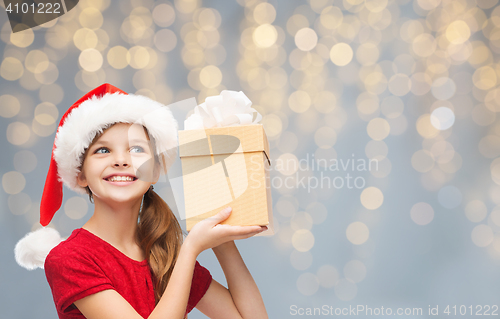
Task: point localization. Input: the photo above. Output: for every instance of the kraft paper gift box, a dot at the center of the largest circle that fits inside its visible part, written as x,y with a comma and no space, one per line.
227,166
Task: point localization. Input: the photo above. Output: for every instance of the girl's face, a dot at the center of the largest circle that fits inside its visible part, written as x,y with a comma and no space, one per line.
123,150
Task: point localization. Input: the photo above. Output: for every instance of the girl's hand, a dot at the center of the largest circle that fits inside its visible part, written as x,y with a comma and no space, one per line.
210,233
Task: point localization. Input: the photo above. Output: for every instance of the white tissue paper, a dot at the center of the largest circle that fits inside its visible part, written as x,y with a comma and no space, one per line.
227,109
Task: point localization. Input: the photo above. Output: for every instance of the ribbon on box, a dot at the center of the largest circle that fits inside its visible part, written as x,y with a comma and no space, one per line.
227,109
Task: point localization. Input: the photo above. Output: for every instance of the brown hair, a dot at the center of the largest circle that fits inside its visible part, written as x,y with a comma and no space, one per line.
158,232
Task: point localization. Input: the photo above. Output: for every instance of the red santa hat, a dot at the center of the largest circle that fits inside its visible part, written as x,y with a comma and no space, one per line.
90,115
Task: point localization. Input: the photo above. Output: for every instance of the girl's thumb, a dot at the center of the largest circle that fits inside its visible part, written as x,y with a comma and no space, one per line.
224,214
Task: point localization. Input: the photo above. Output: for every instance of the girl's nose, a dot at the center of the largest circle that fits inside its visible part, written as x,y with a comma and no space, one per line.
122,160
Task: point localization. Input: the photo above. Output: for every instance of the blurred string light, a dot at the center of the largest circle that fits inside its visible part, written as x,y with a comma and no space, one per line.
422,213
425,72
202,54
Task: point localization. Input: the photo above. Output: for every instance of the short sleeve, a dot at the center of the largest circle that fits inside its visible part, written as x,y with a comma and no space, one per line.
72,276
199,286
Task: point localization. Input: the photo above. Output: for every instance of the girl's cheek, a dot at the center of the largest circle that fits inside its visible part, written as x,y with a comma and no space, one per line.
140,164
145,170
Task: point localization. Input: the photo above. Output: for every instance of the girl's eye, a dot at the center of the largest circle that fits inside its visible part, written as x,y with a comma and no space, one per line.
140,149
99,149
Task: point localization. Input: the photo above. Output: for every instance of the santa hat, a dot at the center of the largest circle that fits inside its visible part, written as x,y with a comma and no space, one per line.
90,115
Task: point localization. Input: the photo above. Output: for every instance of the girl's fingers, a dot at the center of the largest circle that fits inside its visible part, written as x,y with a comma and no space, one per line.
245,236
242,232
220,216
238,230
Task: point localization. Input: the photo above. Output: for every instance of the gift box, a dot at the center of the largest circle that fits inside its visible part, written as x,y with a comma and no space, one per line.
227,166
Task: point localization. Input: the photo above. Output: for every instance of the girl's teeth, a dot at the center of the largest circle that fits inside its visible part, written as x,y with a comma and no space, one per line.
121,179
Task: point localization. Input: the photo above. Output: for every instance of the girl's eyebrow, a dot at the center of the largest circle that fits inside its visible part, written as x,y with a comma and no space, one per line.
137,141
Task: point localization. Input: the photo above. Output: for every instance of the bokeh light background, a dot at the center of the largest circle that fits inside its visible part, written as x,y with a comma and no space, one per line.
412,85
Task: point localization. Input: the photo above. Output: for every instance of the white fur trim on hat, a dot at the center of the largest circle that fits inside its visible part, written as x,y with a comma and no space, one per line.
97,113
33,248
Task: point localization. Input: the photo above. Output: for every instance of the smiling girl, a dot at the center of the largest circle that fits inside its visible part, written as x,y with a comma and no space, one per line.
129,260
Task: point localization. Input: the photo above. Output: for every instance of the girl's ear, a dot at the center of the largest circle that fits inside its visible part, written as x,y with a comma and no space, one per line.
81,180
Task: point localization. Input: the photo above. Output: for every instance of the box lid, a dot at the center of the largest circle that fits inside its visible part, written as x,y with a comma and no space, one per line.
224,140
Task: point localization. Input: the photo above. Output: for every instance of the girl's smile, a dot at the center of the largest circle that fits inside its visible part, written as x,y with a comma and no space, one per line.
120,178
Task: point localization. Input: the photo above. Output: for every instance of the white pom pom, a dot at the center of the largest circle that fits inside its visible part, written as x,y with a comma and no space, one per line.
33,248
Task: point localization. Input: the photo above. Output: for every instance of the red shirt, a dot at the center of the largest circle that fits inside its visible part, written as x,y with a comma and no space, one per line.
84,264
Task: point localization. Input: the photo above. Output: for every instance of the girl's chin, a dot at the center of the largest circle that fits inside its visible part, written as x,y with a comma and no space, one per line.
114,201
120,196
